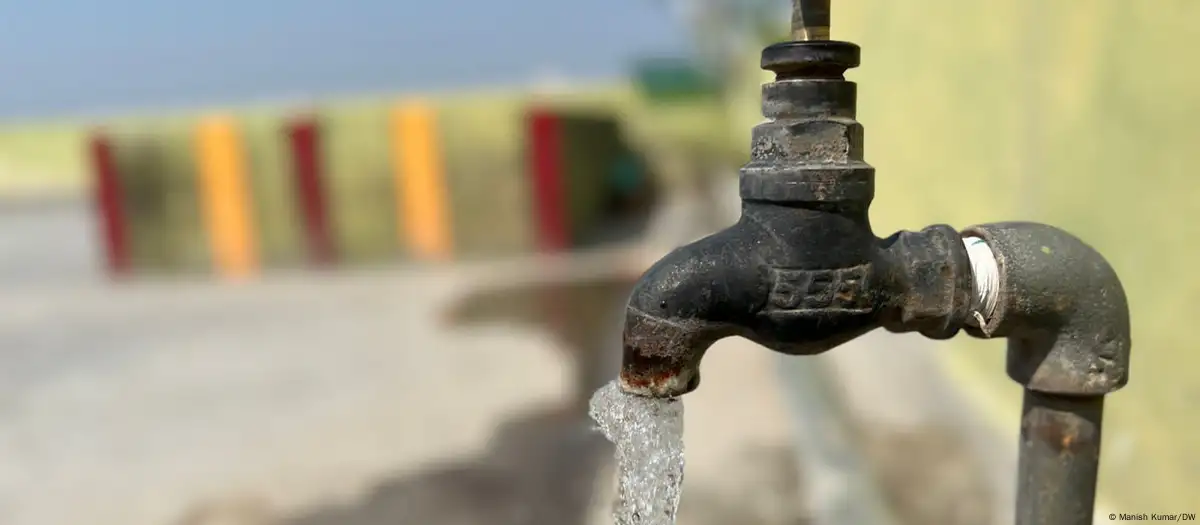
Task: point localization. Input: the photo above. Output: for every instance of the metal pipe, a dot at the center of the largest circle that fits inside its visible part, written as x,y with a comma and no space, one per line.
1059,459
1065,315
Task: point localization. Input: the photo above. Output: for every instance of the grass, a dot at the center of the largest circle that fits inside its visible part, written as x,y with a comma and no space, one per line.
41,156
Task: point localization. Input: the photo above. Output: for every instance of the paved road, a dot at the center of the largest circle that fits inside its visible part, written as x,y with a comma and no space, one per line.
349,399
46,242
305,400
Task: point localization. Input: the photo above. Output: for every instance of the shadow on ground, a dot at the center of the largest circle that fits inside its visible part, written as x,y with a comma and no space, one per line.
540,468
548,466
546,469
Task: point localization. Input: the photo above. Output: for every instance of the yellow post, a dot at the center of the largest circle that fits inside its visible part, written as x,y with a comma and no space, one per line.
225,197
420,182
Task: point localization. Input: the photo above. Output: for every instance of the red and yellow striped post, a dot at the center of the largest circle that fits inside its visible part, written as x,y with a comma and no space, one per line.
109,204
420,182
545,166
304,136
225,198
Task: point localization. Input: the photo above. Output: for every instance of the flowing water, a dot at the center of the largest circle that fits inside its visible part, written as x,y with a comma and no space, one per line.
648,434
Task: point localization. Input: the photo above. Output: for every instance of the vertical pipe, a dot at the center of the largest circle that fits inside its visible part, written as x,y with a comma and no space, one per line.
546,169
109,204
225,198
1059,459
304,136
421,198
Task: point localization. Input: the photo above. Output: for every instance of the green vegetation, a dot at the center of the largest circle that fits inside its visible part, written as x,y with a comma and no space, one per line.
41,156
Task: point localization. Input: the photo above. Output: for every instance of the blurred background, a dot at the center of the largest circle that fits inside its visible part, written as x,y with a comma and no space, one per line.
364,262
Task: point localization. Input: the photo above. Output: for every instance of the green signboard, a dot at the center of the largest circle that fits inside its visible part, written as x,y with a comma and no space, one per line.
666,79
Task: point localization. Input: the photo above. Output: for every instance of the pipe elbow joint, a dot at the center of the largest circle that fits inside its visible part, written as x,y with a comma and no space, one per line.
1061,307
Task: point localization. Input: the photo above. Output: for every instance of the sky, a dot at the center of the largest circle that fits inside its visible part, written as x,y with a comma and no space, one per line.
69,57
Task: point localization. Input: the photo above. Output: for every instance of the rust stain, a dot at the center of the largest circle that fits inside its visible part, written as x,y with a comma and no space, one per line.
647,380
1062,303
1063,433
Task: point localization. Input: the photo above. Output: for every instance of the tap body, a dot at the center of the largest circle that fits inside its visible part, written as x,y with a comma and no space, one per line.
802,272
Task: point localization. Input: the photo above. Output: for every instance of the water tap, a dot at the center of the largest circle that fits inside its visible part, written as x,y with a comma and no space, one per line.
801,272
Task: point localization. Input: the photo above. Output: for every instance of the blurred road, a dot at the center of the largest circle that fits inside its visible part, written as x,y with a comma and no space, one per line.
46,241
341,398
443,396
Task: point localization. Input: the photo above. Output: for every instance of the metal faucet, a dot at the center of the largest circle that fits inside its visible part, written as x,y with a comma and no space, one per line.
802,272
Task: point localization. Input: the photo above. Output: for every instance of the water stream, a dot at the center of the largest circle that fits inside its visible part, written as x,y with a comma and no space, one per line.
648,434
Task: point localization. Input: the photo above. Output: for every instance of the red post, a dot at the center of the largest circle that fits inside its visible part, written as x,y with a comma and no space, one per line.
109,204
305,139
546,170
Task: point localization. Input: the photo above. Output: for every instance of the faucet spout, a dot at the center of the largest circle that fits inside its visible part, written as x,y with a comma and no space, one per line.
681,306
